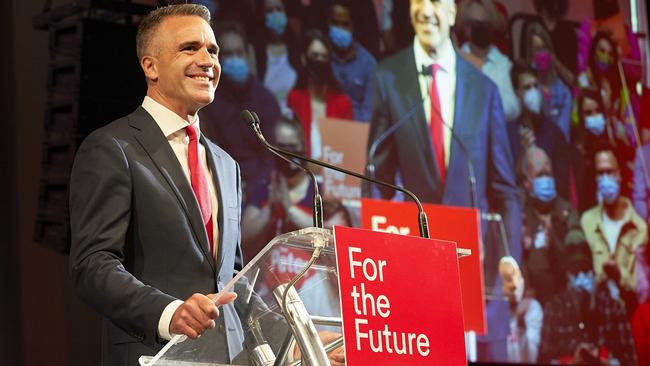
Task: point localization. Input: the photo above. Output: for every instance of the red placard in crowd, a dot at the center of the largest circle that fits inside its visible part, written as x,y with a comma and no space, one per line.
400,299
458,224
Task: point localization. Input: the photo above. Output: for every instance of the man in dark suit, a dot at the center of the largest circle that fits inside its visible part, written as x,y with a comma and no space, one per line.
463,106
154,206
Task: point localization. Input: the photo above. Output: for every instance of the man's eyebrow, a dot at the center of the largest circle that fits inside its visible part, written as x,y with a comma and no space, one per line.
193,44
196,44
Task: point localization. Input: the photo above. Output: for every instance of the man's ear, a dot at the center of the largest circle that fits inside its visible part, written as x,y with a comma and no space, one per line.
451,13
150,67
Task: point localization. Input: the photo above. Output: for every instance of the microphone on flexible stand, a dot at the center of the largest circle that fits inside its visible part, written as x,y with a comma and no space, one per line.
254,124
317,216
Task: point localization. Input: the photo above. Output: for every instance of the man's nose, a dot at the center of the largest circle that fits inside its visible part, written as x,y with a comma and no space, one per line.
205,59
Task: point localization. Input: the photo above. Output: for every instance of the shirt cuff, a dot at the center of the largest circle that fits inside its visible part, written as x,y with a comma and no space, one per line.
166,319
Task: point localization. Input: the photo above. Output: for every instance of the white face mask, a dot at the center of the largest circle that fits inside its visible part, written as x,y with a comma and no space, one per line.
533,100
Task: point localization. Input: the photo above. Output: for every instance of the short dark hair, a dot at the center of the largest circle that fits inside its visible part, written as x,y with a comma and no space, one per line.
519,67
576,252
602,146
150,23
588,93
556,7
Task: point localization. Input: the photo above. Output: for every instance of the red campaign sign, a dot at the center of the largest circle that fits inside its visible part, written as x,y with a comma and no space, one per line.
400,299
457,224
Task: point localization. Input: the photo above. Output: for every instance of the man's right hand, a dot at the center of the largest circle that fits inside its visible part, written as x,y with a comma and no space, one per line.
197,314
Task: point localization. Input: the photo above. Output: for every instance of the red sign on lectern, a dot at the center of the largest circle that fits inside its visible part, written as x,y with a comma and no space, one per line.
458,224
400,299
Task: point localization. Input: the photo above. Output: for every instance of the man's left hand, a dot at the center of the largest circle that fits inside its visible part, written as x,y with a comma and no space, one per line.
337,356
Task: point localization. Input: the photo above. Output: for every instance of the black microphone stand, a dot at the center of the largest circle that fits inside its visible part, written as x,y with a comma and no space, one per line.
422,217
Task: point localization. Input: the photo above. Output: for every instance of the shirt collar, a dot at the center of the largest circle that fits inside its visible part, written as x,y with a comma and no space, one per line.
446,57
168,121
489,57
627,216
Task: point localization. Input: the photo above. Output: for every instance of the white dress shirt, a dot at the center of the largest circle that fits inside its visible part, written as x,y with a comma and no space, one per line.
445,83
497,67
173,127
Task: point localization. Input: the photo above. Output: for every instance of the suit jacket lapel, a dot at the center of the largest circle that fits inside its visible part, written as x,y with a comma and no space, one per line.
215,162
156,145
463,119
411,95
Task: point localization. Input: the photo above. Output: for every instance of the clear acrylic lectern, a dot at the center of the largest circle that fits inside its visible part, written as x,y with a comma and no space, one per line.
257,331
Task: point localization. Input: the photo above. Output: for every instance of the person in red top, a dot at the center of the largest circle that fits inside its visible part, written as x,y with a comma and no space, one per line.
317,93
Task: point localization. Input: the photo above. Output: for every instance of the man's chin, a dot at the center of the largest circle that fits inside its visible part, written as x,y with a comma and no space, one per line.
429,42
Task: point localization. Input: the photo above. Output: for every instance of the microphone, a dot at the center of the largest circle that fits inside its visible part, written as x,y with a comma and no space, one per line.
254,123
251,118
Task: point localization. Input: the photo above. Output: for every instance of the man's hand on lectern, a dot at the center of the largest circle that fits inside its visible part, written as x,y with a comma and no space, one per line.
197,314
336,357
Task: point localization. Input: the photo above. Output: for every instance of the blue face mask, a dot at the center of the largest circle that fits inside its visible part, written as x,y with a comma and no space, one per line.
608,188
533,100
595,124
276,21
544,188
235,68
583,281
340,37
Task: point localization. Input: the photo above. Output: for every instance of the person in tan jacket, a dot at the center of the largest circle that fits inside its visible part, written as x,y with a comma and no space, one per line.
614,231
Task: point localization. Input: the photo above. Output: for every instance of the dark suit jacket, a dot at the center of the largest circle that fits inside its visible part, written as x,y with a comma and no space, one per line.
138,241
478,122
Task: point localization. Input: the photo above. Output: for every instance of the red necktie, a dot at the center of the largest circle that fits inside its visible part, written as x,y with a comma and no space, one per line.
436,126
199,182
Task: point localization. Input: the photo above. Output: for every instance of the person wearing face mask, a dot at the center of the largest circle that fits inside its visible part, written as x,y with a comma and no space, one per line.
614,231
478,19
353,65
548,219
240,90
620,107
282,203
317,93
540,55
584,325
593,130
526,315
562,34
532,128
608,18
276,50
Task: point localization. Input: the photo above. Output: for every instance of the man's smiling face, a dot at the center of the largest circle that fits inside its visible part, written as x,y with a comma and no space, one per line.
432,20
183,67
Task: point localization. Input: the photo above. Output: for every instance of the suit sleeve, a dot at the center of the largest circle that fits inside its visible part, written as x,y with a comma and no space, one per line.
502,184
100,215
385,155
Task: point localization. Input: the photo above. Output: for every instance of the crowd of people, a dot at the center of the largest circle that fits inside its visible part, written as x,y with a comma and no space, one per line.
551,115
